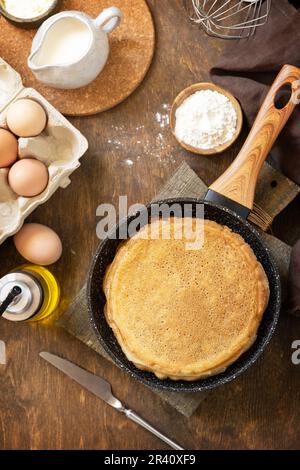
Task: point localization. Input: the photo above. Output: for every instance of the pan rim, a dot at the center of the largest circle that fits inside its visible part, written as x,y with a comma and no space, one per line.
200,384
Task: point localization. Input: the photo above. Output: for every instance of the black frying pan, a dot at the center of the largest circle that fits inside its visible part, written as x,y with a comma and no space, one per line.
228,202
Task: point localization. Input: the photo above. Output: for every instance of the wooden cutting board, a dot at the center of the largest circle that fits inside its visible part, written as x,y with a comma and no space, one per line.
132,47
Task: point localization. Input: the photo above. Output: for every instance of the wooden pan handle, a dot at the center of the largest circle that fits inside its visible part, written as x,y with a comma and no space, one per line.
239,180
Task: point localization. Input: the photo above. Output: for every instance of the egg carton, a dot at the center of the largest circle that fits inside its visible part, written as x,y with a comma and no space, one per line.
60,147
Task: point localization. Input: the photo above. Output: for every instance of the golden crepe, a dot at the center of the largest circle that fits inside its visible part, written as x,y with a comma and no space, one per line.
185,314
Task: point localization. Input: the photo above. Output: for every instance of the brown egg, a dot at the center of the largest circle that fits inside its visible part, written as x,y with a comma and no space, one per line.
8,148
38,244
26,118
28,177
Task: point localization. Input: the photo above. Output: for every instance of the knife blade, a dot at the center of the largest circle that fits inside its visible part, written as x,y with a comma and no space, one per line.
102,389
94,384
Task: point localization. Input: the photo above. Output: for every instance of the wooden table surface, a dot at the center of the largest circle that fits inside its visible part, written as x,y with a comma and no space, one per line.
133,153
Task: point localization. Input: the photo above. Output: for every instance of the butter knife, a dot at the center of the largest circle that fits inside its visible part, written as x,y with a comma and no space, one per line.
102,389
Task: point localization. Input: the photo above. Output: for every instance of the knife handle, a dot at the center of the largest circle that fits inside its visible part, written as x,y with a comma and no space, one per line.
138,420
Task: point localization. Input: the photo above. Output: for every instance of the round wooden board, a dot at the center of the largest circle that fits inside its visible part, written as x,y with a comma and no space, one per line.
132,48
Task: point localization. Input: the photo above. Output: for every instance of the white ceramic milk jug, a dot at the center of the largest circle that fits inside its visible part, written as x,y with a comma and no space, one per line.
70,49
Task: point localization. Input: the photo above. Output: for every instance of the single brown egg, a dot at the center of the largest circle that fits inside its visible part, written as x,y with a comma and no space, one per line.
26,118
38,244
28,177
8,148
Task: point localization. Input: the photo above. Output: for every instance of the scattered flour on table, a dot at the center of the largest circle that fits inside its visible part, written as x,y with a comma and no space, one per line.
205,120
143,148
162,119
128,162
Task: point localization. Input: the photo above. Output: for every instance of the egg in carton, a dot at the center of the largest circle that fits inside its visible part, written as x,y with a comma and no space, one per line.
60,147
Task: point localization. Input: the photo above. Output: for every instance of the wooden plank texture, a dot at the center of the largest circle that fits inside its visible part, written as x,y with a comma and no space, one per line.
133,152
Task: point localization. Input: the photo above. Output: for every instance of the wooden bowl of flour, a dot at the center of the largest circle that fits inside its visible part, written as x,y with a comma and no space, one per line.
187,92
30,22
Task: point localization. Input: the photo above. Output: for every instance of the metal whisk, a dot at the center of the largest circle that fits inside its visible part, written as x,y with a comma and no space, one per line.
229,19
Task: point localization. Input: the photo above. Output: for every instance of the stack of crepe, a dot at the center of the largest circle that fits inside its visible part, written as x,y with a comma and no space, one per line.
185,313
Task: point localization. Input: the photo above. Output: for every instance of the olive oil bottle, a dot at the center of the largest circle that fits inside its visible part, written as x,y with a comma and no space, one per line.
29,293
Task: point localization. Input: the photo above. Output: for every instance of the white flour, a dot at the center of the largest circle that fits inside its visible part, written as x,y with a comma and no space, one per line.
27,9
205,120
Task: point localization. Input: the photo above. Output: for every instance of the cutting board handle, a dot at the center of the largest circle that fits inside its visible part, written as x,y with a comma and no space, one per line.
239,180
